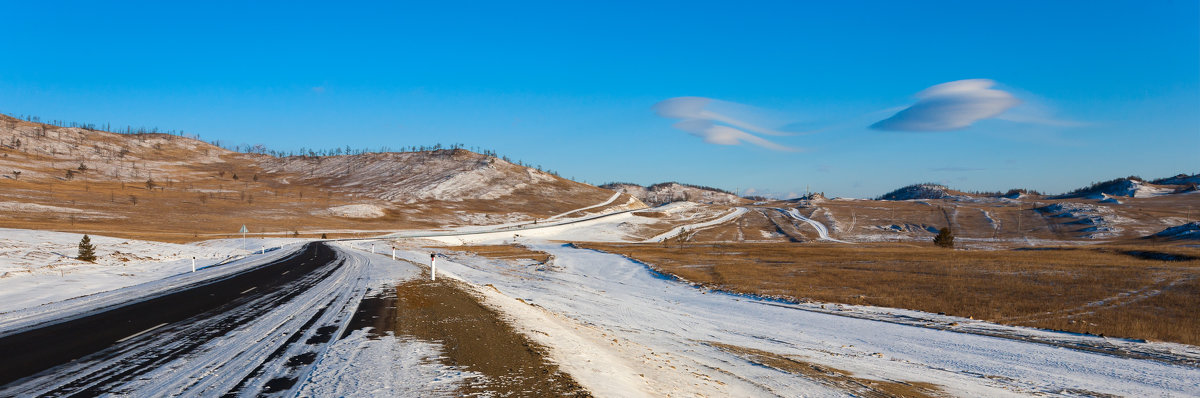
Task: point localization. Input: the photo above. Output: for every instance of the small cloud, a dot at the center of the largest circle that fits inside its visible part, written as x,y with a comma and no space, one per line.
319,89
951,106
824,168
957,169
699,119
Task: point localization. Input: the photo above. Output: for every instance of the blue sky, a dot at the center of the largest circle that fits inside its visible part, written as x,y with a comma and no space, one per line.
1067,92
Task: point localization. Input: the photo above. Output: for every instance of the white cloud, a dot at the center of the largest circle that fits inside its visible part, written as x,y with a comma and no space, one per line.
951,106
698,118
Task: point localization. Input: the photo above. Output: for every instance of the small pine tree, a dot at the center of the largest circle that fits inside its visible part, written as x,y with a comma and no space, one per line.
324,237
944,238
87,251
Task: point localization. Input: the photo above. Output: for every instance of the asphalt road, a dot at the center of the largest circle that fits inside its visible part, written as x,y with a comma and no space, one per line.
32,351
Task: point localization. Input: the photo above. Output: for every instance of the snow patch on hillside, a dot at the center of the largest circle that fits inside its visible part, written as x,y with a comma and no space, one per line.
672,192
1095,222
919,191
355,211
57,212
1189,231
410,177
41,152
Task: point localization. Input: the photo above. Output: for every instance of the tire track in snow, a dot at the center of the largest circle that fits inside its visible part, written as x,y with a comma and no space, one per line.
822,232
736,212
610,200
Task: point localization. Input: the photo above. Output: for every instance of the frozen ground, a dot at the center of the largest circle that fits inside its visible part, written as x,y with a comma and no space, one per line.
264,338
622,330
618,328
38,267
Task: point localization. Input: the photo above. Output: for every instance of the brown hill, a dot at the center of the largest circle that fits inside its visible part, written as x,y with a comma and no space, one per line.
668,192
169,187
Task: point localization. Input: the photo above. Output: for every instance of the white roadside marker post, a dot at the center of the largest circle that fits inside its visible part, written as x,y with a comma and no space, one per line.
393,253
372,248
243,231
193,263
433,266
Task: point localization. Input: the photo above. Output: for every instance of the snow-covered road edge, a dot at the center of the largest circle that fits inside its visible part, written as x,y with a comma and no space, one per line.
23,319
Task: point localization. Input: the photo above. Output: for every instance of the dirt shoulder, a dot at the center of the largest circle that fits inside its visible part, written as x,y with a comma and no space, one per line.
472,335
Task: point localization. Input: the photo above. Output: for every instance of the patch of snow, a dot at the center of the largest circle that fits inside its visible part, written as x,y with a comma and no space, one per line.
386,366
732,214
674,192
611,199
822,232
412,177
1189,231
1096,221
355,211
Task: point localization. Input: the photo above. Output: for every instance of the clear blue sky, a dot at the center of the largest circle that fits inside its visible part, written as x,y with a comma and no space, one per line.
1105,89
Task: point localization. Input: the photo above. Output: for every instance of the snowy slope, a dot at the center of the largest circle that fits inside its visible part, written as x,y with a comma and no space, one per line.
672,191
445,175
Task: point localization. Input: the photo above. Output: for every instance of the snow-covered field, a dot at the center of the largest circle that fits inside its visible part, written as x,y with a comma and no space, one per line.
617,327
622,330
39,267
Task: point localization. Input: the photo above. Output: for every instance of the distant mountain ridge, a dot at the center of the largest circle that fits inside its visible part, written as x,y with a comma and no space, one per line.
668,192
1130,187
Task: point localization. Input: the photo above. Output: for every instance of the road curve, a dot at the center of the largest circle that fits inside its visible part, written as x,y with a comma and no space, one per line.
29,352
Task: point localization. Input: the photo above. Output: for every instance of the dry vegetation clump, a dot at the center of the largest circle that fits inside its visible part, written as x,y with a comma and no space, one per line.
498,252
650,214
1097,290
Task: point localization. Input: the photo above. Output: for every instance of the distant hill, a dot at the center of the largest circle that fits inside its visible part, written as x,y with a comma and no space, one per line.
1134,187
668,192
1189,231
922,191
81,178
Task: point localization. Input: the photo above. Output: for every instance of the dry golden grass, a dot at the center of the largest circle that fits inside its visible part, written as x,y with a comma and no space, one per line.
202,192
753,226
505,252
186,210
1096,290
1012,221
831,376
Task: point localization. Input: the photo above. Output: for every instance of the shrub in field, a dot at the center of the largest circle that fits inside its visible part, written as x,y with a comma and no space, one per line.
944,238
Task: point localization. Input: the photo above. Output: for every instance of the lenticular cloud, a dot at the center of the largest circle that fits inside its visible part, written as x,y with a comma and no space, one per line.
698,119
951,106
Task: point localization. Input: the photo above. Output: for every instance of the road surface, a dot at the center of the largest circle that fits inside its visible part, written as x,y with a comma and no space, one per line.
252,333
